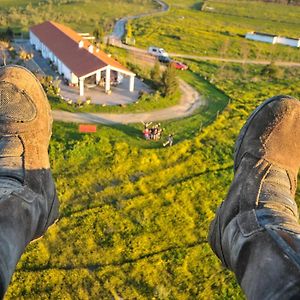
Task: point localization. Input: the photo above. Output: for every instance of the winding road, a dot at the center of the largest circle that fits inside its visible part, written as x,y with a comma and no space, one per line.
119,29
189,102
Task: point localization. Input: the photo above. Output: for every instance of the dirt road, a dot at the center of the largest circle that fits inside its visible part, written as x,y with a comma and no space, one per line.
139,51
119,28
189,102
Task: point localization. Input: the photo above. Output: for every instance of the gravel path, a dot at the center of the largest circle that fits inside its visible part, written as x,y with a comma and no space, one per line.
189,102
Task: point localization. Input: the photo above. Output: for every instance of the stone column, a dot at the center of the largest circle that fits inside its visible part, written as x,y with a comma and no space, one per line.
98,77
107,79
81,86
131,83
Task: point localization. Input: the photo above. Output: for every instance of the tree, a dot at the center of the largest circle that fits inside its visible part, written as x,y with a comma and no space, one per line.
129,39
272,71
9,33
128,30
98,34
170,82
155,72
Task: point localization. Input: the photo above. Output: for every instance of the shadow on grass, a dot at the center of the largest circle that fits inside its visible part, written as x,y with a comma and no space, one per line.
63,132
133,134
197,6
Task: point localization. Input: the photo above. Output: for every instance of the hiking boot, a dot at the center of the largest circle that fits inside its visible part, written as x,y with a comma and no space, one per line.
256,232
28,200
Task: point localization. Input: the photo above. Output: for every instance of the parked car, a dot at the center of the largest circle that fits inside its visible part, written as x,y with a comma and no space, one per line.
164,59
157,51
179,65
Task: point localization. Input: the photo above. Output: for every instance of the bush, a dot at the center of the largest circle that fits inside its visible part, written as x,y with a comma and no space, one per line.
155,73
170,82
272,71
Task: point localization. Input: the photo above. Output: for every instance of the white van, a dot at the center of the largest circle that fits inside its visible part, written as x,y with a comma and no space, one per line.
157,51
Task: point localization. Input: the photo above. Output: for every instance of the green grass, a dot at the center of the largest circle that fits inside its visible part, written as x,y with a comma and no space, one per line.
135,215
83,16
256,10
146,103
16,3
188,30
214,101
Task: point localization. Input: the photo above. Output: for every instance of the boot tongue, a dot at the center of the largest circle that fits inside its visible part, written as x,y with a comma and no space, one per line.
11,157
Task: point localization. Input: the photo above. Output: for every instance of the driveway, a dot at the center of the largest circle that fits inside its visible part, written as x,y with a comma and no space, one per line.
189,102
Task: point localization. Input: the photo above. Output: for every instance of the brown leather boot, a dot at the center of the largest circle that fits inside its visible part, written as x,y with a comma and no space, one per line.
28,201
256,232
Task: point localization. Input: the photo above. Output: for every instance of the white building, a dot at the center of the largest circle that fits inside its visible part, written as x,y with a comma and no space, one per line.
288,41
273,39
262,37
75,58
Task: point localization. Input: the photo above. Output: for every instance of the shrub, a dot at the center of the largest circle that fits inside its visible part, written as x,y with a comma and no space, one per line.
155,73
170,82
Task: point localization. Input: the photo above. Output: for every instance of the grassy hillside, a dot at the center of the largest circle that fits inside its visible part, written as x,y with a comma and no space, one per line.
219,29
82,15
134,216
275,12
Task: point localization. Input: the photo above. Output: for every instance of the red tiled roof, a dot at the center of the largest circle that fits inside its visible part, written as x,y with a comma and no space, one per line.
63,42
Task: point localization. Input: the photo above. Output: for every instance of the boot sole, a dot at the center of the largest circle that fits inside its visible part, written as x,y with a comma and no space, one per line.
244,129
47,106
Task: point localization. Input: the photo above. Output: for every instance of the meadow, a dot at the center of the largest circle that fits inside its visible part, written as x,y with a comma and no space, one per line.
81,15
219,29
135,215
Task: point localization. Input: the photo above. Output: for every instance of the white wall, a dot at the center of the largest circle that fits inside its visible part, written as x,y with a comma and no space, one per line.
261,38
47,53
74,78
287,41
273,40
34,41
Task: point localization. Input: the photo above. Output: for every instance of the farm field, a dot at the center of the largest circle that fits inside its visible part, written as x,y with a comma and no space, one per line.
134,215
83,16
219,29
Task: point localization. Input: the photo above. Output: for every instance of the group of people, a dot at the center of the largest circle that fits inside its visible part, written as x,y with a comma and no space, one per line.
155,133
152,133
